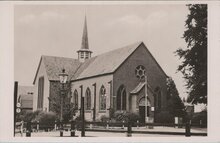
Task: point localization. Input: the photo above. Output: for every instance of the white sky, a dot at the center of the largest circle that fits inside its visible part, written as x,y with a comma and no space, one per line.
56,30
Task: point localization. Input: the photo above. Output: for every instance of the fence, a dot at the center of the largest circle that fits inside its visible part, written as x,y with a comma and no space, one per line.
125,127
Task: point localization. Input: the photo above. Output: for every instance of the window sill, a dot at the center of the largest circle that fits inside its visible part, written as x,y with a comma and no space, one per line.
121,111
87,111
102,111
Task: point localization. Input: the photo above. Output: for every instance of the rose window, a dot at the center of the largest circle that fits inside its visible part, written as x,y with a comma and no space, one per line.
140,72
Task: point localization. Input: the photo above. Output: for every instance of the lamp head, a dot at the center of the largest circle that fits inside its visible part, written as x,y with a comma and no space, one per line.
63,76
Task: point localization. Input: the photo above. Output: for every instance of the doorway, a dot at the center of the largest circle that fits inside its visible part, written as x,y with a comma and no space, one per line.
142,114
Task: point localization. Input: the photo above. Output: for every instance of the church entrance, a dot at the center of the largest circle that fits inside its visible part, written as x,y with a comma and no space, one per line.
142,114
142,109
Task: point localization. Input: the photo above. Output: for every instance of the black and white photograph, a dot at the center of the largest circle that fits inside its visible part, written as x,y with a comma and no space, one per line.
111,69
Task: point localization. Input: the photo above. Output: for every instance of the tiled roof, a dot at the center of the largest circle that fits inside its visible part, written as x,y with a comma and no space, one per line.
99,65
106,63
25,89
26,101
54,66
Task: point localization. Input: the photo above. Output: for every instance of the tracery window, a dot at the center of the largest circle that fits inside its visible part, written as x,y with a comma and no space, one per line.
121,98
40,93
140,72
88,99
102,98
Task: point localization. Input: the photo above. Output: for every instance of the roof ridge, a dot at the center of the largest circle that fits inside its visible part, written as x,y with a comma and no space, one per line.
58,57
132,47
125,46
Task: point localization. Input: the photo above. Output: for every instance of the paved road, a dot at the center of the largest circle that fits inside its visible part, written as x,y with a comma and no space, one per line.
117,134
93,134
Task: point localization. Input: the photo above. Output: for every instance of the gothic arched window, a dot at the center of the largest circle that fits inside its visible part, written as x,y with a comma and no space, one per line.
75,99
102,98
88,99
40,93
121,98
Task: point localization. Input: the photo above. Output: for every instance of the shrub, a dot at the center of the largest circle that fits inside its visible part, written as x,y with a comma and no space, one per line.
119,116
133,117
164,117
104,118
27,116
200,116
111,113
46,119
126,116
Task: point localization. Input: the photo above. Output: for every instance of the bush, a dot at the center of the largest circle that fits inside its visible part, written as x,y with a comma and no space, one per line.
200,116
46,118
133,117
126,116
164,117
104,118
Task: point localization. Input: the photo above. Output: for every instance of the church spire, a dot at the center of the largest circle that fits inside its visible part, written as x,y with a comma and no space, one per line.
85,42
84,53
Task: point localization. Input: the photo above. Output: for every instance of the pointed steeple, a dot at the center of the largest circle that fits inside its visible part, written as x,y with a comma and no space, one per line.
85,42
84,53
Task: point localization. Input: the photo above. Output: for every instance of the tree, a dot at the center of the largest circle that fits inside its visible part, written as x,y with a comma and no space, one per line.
55,101
194,56
175,105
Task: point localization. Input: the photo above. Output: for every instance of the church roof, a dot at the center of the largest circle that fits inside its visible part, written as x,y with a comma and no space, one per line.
103,64
107,62
54,66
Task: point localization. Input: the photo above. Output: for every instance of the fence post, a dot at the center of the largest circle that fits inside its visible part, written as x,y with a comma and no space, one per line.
137,123
22,128
28,130
55,126
129,131
72,129
37,126
123,126
188,134
200,122
107,126
61,129
90,126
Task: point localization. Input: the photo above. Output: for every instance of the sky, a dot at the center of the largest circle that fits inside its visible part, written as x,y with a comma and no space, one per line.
56,30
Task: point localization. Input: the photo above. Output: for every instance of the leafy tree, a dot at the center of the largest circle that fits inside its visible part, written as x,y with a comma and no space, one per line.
175,104
55,101
194,56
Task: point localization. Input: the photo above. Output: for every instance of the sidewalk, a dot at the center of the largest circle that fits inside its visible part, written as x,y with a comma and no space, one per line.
118,132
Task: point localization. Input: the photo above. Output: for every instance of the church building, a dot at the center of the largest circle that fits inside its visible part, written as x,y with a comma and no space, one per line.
126,79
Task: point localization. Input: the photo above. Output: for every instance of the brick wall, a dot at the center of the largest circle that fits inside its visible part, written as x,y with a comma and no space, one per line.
126,74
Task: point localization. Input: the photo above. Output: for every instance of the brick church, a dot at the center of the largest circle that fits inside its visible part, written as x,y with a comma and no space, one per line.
125,79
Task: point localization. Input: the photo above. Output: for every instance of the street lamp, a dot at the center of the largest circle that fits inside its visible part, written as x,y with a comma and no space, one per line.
82,112
63,79
146,101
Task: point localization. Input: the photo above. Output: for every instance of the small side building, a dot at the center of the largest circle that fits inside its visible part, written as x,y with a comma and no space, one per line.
25,97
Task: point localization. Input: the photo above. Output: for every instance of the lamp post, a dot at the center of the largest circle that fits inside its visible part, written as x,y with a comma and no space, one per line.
63,79
146,102
82,112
